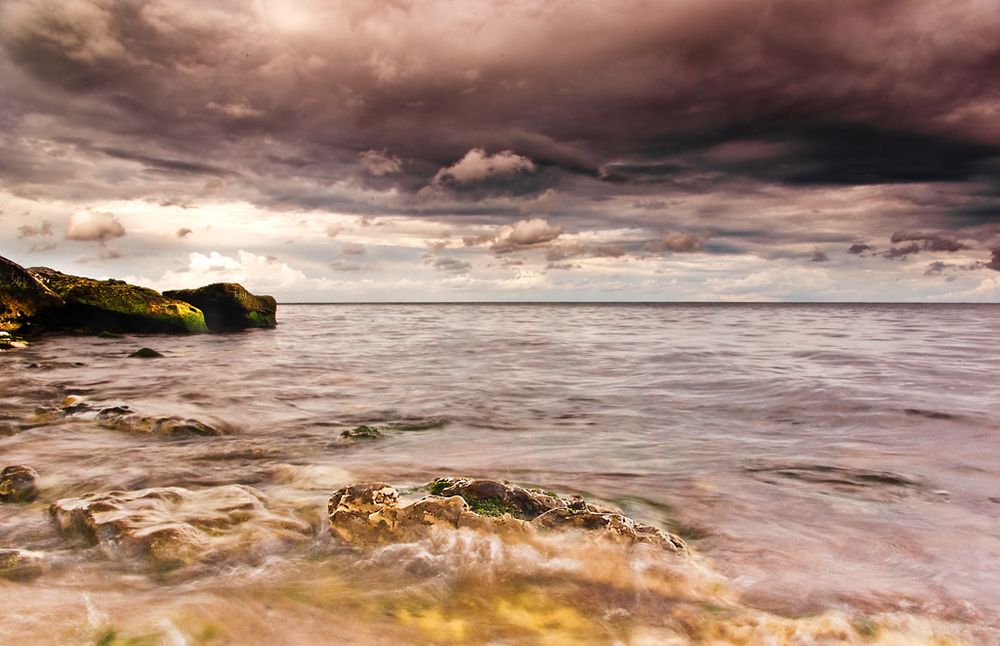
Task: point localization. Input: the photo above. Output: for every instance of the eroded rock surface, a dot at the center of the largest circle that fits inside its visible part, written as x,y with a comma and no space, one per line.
372,513
173,526
18,483
229,306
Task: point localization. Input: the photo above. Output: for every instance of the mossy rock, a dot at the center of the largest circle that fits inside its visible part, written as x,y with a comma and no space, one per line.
116,306
24,300
229,306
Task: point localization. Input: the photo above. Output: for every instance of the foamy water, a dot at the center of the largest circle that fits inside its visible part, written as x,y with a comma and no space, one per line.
836,462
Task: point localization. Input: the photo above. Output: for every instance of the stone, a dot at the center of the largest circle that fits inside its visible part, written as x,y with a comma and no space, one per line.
145,353
174,527
370,513
24,301
229,306
21,564
18,483
123,418
115,306
363,432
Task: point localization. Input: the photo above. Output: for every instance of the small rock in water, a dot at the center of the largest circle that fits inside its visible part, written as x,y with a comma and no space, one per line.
363,432
145,353
109,335
18,484
20,564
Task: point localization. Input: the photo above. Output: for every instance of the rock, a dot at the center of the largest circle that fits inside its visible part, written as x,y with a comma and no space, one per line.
145,353
173,527
613,525
18,484
363,432
116,306
24,300
492,498
21,564
228,306
371,514
104,334
123,418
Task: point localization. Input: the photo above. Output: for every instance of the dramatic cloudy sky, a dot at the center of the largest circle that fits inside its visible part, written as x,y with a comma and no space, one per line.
520,150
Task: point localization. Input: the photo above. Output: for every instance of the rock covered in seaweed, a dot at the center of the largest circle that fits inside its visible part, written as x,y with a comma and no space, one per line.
18,483
24,300
371,513
229,306
173,526
113,305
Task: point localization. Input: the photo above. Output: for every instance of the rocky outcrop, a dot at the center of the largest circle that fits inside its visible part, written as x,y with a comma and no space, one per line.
18,483
24,300
113,305
371,513
173,527
228,306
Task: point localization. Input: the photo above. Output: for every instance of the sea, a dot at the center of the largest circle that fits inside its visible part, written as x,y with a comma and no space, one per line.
833,468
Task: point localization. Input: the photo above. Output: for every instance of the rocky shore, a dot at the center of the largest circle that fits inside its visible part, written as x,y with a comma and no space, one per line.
41,300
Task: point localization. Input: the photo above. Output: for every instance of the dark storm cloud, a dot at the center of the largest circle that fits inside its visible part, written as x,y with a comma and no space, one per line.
929,241
859,248
994,262
472,110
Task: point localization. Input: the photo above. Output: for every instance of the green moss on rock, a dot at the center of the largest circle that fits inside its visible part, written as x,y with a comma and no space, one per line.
229,306
113,305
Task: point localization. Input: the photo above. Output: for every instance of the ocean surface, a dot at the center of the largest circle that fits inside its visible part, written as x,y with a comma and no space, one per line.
828,464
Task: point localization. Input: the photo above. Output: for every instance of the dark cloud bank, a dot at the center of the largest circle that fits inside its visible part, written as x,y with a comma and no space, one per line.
630,113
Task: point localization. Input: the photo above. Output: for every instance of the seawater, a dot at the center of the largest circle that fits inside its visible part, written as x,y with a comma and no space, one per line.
829,464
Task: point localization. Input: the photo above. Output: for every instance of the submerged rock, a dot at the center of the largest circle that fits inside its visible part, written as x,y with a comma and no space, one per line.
18,483
371,513
123,418
229,306
21,564
363,432
24,300
174,527
116,306
145,353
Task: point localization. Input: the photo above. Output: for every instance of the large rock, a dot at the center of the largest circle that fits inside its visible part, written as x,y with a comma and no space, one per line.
172,526
228,306
23,299
371,513
114,305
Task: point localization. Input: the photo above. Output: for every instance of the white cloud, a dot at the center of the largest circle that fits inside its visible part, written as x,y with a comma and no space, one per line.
477,165
259,274
526,233
94,225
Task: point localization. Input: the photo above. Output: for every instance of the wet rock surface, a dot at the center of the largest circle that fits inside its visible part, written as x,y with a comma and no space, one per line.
145,353
229,306
18,483
121,417
371,513
173,526
115,306
21,564
23,298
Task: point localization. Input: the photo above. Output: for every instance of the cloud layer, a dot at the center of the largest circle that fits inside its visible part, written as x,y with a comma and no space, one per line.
626,144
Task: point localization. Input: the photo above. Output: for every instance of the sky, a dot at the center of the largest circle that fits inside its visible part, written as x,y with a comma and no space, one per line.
527,150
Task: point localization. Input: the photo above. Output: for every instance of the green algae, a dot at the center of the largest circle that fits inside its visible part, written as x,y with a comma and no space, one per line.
362,432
